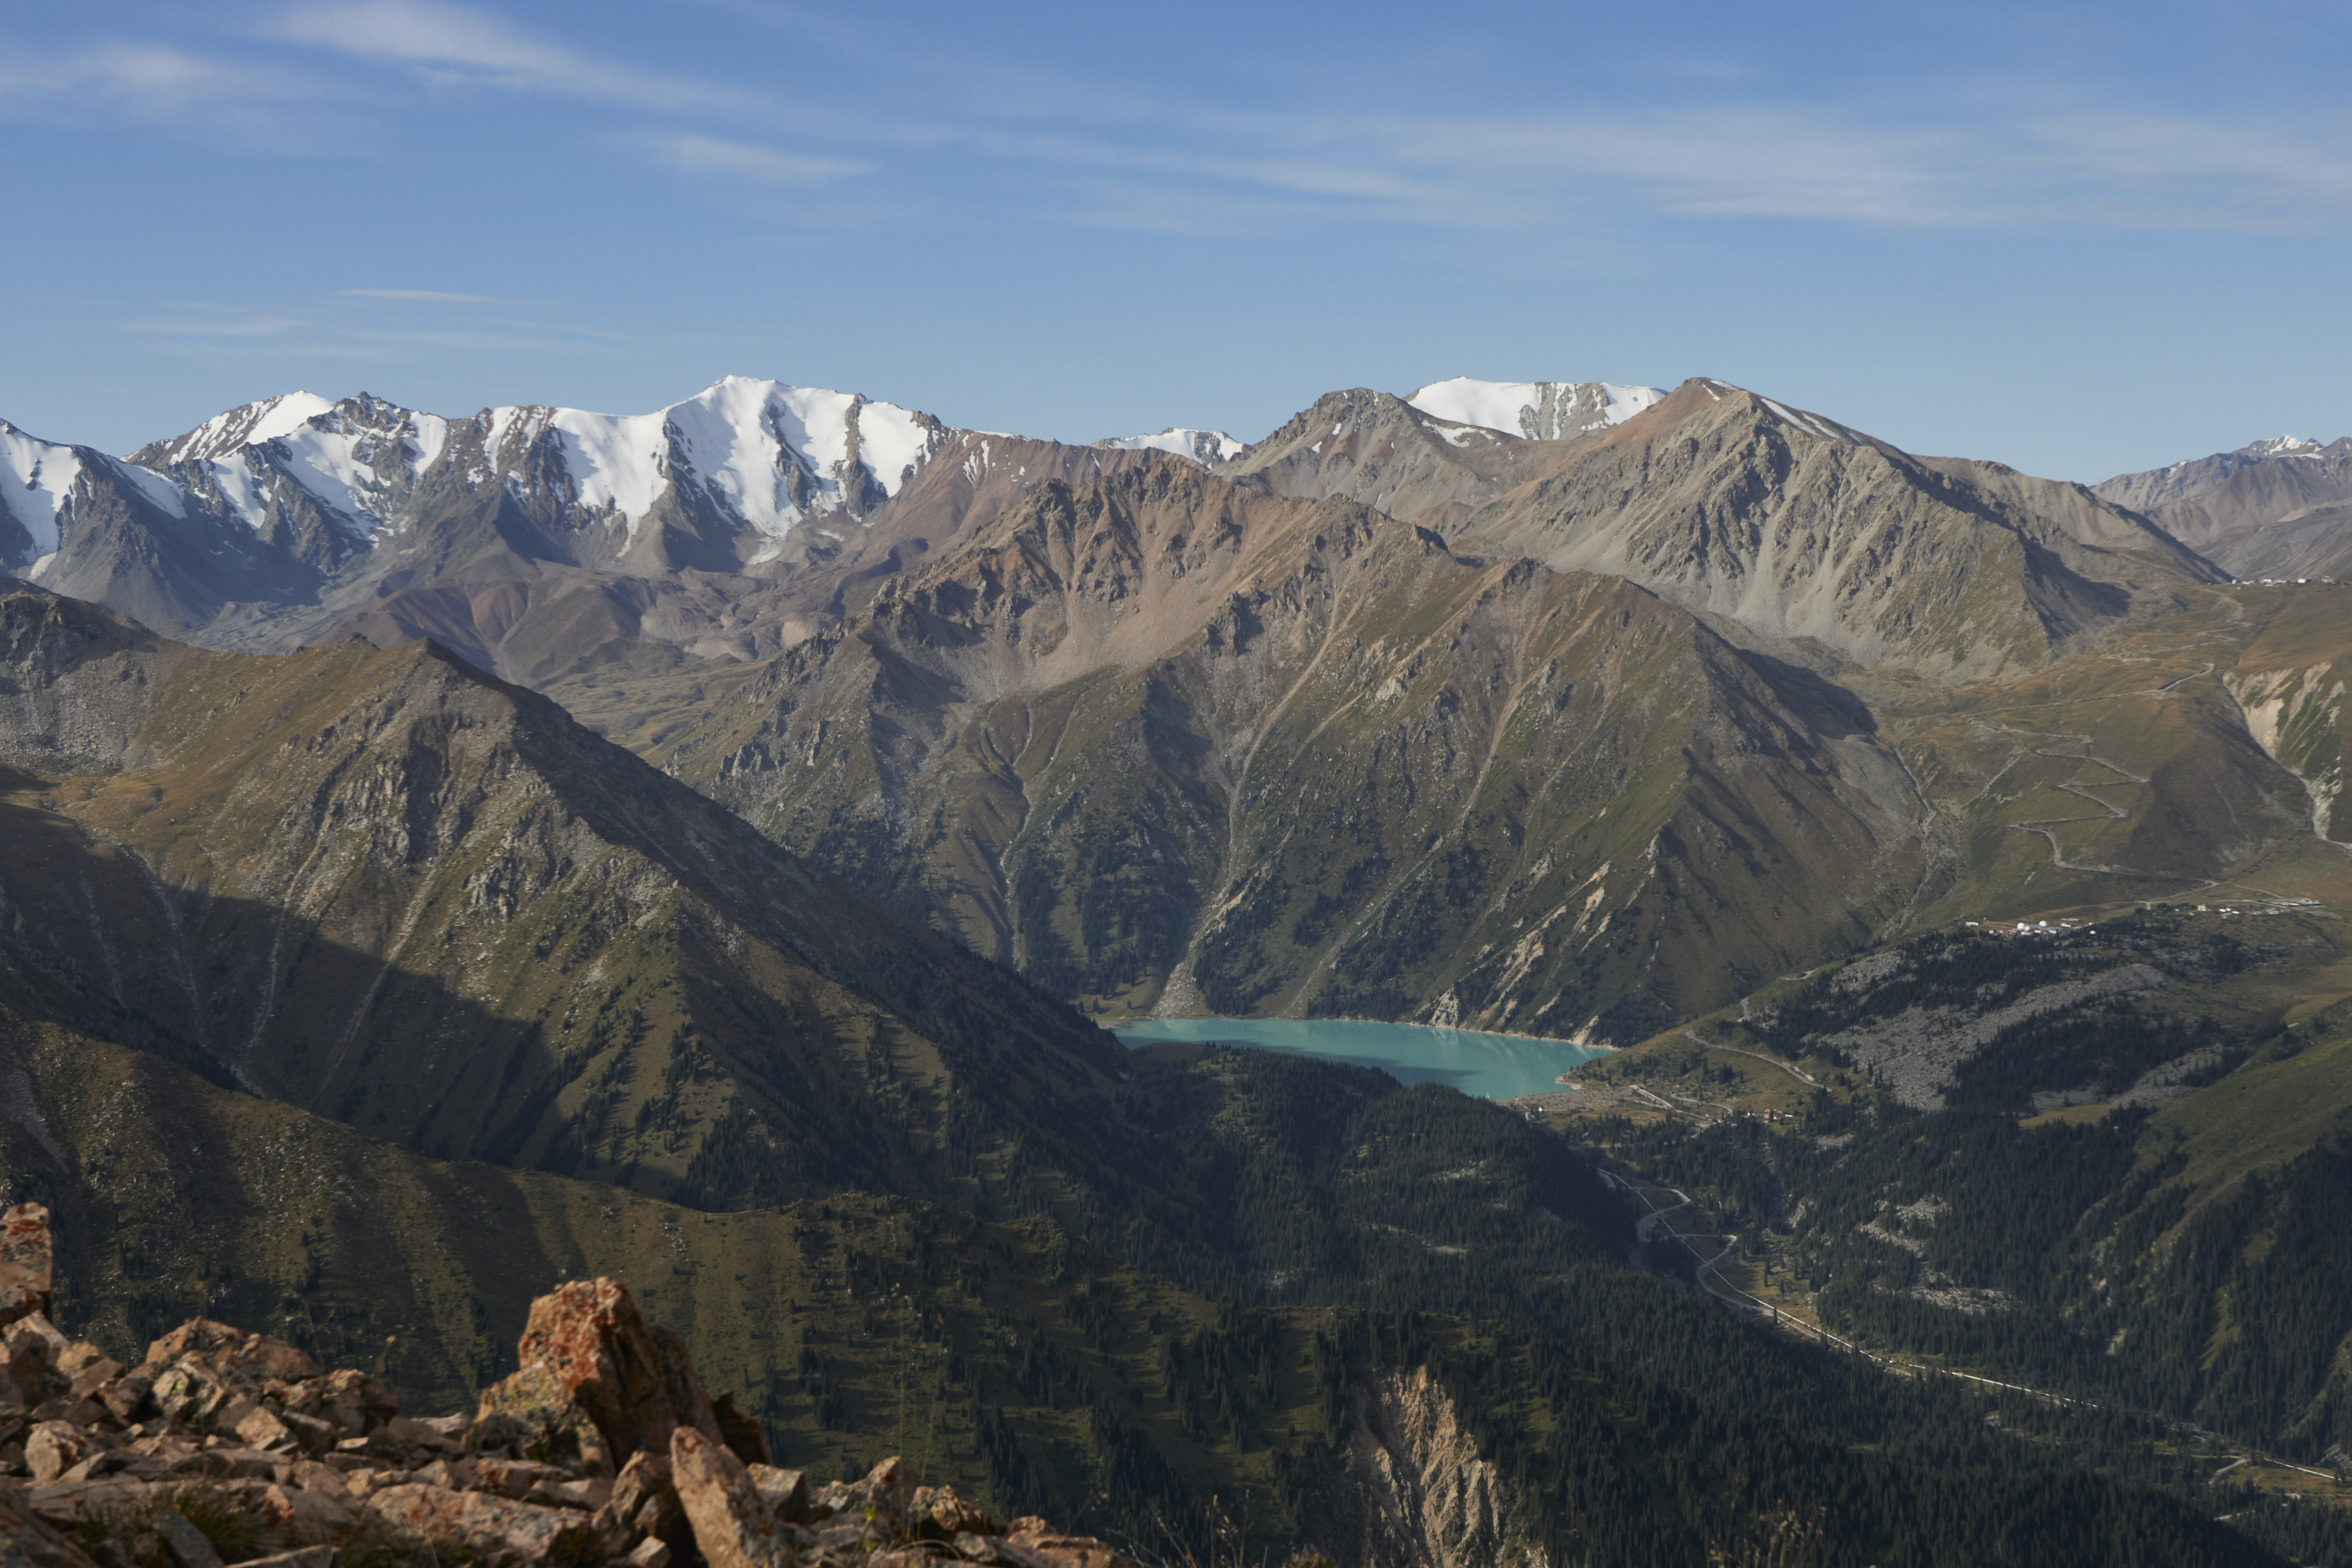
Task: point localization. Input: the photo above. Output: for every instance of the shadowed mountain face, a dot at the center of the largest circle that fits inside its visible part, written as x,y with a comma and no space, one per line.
2279,507
1161,738
392,890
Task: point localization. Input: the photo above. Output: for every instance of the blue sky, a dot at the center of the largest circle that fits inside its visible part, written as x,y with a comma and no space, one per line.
2075,238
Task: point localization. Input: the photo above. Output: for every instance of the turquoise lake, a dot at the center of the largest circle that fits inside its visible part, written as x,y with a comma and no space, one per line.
1493,1066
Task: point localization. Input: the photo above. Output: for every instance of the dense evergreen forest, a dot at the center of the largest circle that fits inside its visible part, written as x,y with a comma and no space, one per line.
1352,1226
2194,1299
1038,1373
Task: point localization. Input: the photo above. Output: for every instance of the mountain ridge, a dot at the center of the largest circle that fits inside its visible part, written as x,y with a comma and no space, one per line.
2276,508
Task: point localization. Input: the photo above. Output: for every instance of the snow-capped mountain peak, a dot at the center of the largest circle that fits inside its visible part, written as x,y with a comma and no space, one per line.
299,464
767,453
1535,410
37,483
1207,448
248,425
40,482
762,454
2279,446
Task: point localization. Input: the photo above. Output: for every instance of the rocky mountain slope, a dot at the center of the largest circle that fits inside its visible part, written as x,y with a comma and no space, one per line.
115,533
1169,741
1383,452
1843,571
2275,508
1161,738
1806,537
1787,530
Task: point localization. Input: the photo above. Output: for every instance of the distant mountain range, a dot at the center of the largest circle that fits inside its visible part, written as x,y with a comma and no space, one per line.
2276,507
1330,721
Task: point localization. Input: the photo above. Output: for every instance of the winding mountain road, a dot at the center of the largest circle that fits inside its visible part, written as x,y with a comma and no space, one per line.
2043,825
1800,1076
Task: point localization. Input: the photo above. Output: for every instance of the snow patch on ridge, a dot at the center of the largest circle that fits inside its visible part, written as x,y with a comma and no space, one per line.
1203,446
40,478
161,493
1811,424
249,424
1535,410
39,481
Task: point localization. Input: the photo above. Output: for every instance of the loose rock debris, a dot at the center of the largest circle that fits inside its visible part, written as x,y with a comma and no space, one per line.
230,1447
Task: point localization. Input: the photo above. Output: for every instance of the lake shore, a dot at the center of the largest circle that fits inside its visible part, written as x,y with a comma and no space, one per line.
1350,1018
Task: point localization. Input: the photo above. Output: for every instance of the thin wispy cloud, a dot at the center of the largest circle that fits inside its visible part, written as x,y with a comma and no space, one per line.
421,296
1810,163
1084,152
1200,168
460,46
113,80
222,324
304,332
2151,168
747,163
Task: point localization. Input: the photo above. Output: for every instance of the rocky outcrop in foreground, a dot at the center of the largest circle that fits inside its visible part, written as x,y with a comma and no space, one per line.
224,1447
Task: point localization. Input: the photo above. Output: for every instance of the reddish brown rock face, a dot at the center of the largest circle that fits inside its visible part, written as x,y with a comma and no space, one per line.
946,1515
492,1526
233,1348
634,1382
734,1525
1041,1540
25,1262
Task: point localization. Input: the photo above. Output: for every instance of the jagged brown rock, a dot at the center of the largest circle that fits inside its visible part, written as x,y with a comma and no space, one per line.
1047,1544
634,1382
223,1445
733,1526
25,1262
492,1526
